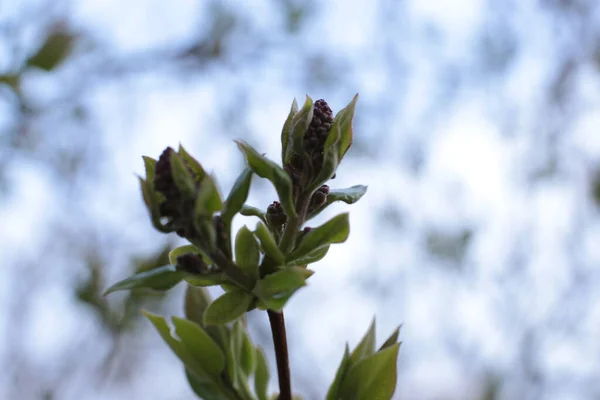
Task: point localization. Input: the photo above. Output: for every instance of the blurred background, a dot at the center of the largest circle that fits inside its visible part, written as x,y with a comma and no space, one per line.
476,131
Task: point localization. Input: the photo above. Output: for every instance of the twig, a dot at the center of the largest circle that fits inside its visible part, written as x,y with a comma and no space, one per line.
281,354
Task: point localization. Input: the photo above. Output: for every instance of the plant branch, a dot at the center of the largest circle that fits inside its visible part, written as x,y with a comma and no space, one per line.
232,270
293,224
281,354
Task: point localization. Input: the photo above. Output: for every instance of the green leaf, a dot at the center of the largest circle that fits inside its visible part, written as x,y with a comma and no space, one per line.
247,252
247,354
268,243
373,377
186,249
151,200
205,280
227,308
250,211
348,195
333,137
393,339
206,389
161,278
311,257
285,133
203,383
266,168
182,176
336,230
149,166
193,164
274,290
330,164
237,196
232,359
261,375
346,117
200,345
334,389
235,368
366,346
197,300
299,126
55,50
177,346
209,200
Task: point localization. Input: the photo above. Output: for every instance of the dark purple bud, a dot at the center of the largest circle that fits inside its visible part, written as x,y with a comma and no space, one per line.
192,263
163,179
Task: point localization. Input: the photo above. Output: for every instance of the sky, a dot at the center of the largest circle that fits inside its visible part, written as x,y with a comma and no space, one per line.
473,175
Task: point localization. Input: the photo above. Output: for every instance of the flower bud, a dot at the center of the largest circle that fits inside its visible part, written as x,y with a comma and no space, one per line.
222,237
192,263
318,199
275,216
318,130
163,178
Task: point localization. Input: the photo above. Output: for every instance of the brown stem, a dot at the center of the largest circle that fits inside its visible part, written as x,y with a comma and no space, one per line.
281,354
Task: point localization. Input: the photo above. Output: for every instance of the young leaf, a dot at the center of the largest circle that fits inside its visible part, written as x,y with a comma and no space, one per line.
261,375
151,200
209,200
345,117
193,164
227,308
178,347
55,50
311,257
266,168
235,369
366,346
203,383
336,230
182,176
232,358
197,300
268,244
330,164
334,389
237,196
299,126
393,339
206,389
161,278
205,280
275,289
373,377
247,354
348,195
149,166
188,248
250,211
200,346
334,135
247,253
285,133
149,197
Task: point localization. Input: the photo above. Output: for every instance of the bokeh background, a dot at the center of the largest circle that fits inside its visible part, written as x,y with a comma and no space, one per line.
476,131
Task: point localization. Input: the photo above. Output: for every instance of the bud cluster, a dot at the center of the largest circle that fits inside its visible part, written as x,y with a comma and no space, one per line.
176,207
275,216
303,170
318,199
192,263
